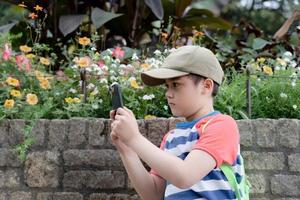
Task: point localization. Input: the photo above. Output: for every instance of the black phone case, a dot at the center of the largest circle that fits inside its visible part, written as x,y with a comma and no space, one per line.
117,100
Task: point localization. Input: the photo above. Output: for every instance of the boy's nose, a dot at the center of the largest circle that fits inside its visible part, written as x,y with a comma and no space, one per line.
169,94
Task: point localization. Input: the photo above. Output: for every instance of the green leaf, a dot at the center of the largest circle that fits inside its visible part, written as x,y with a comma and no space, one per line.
198,17
156,7
259,43
180,6
69,23
100,17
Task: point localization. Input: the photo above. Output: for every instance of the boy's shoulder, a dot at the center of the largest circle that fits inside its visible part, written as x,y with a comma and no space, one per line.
220,119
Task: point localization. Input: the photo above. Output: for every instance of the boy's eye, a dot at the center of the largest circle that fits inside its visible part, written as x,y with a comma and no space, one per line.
175,84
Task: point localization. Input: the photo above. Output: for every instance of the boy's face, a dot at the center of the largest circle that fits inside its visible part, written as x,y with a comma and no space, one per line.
186,98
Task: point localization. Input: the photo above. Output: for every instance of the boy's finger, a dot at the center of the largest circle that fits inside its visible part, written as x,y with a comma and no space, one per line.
112,114
121,111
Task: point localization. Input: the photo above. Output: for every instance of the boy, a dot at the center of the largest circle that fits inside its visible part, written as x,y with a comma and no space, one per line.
186,166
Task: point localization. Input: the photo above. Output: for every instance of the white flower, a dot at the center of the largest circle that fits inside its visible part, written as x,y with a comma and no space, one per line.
157,52
293,83
165,107
134,57
295,107
293,64
283,95
74,67
90,86
103,80
287,54
277,68
148,97
123,66
117,60
95,91
93,49
72,90
113,78
109,51
80,83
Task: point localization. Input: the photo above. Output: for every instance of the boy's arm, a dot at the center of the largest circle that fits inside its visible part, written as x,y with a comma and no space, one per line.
181,173
148,186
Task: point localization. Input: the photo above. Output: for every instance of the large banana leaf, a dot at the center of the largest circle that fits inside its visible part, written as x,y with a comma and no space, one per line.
156,7
69,23
100,17
197,17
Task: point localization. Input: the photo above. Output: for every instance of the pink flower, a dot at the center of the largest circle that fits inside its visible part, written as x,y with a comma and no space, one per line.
101,63
23,61
118,53
7,52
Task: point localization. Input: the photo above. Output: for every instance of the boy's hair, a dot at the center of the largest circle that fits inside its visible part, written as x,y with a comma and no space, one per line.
197,78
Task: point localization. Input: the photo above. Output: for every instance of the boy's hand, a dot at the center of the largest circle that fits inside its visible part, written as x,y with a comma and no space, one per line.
124,126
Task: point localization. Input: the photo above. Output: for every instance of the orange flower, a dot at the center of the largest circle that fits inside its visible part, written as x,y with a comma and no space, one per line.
134,84
38,8
84,41
44,83
12,81
31,99
25,48
44,61
268,70
33,15
22,5
9,103
30,56
148,117
83,61
15,93
164,35
145,66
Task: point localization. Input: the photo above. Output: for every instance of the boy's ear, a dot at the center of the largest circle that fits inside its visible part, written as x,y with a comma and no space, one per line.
208,84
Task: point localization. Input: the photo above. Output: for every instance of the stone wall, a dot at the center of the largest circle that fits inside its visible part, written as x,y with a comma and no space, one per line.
74,159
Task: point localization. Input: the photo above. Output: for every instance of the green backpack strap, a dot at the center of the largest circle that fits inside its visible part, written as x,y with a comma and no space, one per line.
228,172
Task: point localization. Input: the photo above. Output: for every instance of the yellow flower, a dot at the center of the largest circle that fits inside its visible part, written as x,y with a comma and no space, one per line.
76,100
9,103
38,8
12,81
145,66
30,56
150,117
69,100
281,62
261,60
83,62
134,84
31,99
44,61
44,83
25,48
268,70
84,41
15,93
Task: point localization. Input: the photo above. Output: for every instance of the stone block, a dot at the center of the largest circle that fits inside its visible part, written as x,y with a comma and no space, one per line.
96,158
42,169
263,160
58,130
94,179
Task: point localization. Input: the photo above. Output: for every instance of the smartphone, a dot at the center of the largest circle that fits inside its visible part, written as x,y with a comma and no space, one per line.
116,96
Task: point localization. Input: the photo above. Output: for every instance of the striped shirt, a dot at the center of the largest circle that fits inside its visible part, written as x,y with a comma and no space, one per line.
221,140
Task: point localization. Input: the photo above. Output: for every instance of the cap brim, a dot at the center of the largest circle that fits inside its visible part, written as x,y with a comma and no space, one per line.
158,76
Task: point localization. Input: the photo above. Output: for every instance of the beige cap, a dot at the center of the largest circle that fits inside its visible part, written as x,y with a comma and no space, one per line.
183,61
